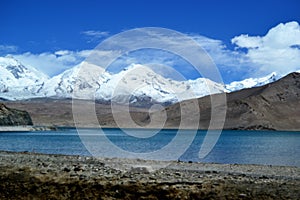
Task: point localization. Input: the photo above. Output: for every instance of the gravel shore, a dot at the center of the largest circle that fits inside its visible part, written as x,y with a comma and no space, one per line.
39,176
26,128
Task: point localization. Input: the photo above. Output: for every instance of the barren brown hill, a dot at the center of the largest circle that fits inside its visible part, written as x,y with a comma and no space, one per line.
275,106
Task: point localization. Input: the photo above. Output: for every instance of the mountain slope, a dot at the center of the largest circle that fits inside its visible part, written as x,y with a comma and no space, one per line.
272,106
19,81
13,117
82,78
252,82
140,81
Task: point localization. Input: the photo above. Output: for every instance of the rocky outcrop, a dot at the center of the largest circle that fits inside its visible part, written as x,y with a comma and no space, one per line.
13,117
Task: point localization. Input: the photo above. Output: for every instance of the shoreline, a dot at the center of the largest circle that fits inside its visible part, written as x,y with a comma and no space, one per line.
26,128
31,175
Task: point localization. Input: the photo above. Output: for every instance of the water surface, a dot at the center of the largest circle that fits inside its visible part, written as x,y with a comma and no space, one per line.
241,147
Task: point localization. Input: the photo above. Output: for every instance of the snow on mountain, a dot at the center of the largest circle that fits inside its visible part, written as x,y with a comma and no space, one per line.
18,81
87,81
252,82
140,81
133,83
83,79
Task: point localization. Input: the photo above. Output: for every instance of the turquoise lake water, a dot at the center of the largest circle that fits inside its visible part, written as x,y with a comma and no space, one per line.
240,147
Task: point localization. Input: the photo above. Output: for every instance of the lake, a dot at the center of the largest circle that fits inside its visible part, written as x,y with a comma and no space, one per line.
240,147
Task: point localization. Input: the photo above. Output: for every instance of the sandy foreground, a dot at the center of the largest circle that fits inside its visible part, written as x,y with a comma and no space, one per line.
39,176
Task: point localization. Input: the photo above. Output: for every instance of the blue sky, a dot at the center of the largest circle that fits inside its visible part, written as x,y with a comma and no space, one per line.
55,35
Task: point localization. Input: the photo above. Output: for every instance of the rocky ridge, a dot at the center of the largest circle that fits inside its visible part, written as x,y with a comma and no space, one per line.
13,117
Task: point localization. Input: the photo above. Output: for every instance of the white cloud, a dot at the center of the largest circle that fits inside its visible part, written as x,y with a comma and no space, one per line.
245,41
53,63
62,52
8,48
163,40
219,52
276,51
254,56
95,33
94,36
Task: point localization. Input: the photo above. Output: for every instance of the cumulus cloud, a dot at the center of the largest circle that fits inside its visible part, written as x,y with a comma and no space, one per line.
94,36
245,41
276,51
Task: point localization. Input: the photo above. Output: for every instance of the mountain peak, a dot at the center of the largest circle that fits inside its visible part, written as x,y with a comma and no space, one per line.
9,61
252,82
18,81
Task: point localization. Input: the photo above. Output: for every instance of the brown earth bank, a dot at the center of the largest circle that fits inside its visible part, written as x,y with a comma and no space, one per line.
37,176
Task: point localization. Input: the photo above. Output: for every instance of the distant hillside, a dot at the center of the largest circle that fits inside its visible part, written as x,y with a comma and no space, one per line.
275,106
13,117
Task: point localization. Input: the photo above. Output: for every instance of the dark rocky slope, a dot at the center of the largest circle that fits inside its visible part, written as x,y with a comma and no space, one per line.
13,117
275,106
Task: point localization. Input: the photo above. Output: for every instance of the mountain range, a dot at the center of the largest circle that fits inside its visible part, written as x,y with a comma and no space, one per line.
274,106
267,103
134,84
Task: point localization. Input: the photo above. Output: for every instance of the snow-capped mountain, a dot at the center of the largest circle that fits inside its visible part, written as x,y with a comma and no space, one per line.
83,79
17,80
87,81
252,82
139,81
